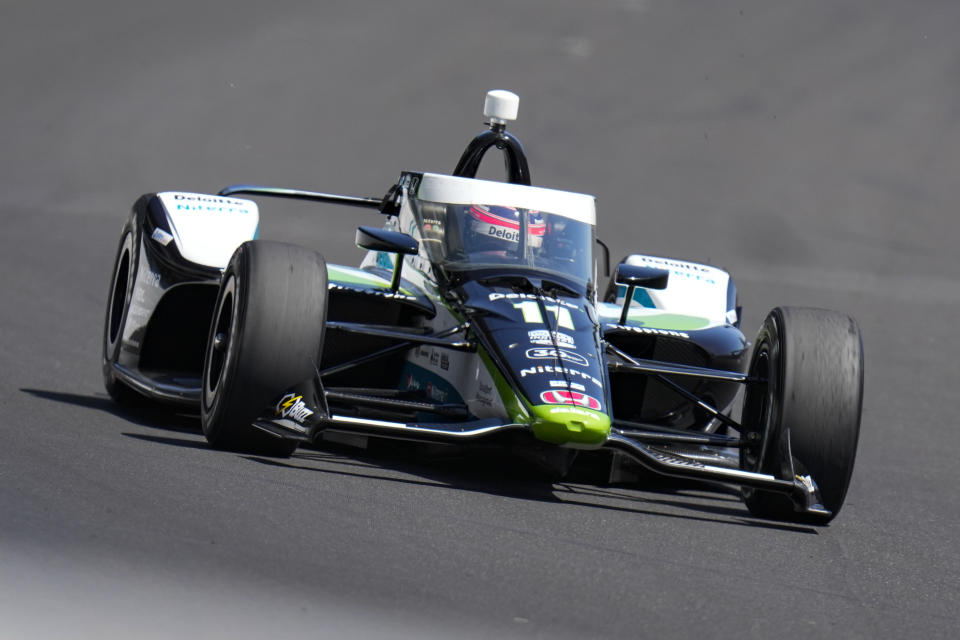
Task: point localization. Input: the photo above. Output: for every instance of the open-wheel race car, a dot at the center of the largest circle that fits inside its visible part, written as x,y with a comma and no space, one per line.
476,316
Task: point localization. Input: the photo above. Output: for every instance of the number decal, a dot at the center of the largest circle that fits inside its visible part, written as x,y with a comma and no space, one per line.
531,313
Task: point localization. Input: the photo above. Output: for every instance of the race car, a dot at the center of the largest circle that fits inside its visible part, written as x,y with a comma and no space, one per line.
477,316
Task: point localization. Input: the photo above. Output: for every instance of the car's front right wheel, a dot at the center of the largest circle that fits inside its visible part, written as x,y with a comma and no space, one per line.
266,336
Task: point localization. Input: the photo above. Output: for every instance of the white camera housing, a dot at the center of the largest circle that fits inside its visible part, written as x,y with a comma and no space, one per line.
500,107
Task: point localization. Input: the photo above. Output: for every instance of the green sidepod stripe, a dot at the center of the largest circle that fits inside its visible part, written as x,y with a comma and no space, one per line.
673,321
516,408
337,274
572,426
643,317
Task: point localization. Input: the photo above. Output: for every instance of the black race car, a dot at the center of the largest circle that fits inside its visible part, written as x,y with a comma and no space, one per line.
476,316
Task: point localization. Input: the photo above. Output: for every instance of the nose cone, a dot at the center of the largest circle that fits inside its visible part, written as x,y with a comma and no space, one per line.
574,426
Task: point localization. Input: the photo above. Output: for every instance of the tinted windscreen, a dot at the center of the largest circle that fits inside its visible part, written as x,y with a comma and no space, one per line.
463,237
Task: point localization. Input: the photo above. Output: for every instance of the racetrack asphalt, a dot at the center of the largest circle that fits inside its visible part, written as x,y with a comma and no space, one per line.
812,149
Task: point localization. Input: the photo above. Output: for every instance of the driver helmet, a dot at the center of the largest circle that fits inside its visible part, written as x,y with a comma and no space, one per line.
496,228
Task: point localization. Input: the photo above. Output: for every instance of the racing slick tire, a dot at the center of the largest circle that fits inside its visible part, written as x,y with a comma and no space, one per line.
266,336
118,307
808,409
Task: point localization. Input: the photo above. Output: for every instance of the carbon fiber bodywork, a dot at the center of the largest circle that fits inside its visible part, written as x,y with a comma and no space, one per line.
521,354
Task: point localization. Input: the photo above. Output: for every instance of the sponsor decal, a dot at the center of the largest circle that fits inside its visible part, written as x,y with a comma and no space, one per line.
680,268
546,353
208,199
673,264
492,230
435,357
542,336
573,373
564,385
412,383
529,296
161,236
436,394
556,396
431,225
292,406
569,410
213,204
485,394
381,293
432,392
670,333
504,222
150,278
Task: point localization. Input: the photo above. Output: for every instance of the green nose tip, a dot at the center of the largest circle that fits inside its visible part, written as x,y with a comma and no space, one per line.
576,426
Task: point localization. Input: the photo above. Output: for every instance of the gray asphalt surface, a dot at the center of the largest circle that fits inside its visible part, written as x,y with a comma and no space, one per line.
812,149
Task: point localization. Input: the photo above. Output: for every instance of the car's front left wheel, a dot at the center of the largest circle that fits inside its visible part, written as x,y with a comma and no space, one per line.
265,337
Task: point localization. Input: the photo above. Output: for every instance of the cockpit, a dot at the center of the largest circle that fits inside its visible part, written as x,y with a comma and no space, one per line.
467,224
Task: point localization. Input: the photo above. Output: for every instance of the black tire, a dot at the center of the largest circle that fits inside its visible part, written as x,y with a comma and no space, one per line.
118,306
265,337
812,360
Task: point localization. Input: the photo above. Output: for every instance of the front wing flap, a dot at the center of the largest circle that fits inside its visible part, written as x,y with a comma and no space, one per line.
303,413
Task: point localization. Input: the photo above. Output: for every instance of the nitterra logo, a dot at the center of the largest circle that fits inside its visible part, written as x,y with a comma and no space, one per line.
549,369
292,406
570,397
544,353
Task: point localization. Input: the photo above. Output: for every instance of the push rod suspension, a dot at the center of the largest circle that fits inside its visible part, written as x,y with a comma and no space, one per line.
658,373
394,348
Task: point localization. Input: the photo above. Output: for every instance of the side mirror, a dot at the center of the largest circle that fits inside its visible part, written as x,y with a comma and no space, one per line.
635,276
385,240
638,276
375,239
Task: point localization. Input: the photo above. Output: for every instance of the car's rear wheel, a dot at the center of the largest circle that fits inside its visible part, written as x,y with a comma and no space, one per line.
807,412
266,337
